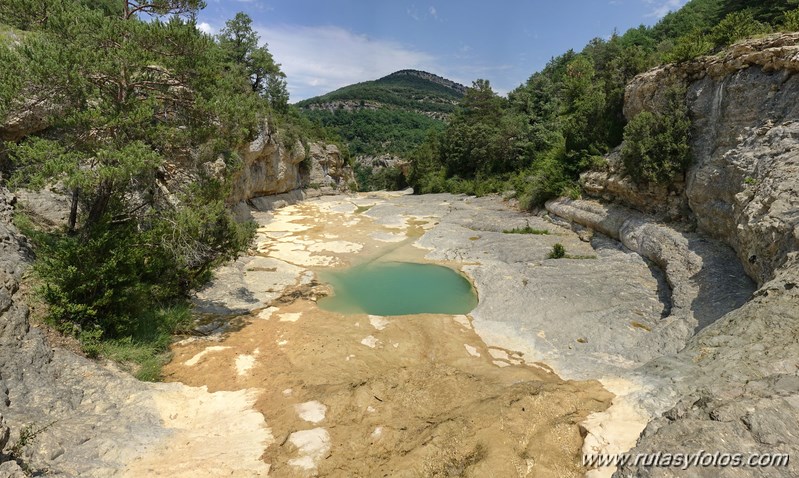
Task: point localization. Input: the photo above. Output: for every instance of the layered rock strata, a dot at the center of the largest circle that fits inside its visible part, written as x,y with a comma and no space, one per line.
735,383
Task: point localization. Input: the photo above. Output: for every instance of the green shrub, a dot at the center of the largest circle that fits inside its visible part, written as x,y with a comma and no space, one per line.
791,21
457,185
96,281
688,47
546,179
526,230
737,26
656,145
558,251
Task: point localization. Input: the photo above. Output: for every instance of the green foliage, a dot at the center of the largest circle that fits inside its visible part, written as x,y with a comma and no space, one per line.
403,89
10,77
790,22
240,43
388,178
656,145
392,115
368,132
689,47
526,230
558,252
556,125
737,26
146,349
695,15
480,137
141,98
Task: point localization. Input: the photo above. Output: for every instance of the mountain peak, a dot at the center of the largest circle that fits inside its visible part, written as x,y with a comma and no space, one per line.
412,90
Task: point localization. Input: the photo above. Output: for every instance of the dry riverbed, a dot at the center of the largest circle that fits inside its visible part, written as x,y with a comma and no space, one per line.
420,395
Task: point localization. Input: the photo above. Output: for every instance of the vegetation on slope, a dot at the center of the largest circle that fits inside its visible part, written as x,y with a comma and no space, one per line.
408,89
392,115
149,100
567,116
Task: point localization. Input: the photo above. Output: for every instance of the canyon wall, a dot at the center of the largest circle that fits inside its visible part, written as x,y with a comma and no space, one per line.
743,184
737,378
275,170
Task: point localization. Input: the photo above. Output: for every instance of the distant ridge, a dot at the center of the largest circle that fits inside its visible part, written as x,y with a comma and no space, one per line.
382,122
429,77
411,90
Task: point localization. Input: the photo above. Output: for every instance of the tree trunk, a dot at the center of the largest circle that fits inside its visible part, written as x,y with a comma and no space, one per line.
73,211
99,204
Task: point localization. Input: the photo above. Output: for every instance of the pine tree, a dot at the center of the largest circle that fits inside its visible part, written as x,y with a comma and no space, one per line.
240,43
142,101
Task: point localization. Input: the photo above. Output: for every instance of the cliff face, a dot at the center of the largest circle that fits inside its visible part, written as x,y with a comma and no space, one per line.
270,167
329,172
743,184
273,167
737,379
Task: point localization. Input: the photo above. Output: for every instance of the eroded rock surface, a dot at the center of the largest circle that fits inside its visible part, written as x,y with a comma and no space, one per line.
273,166
596,315
328,169
92,420
733,383
743,185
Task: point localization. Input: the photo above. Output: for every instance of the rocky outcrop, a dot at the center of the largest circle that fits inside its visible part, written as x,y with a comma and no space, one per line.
706,281
739,386
743,184
42,388
32,108
270,166
771,54
273,167
611,184
328,169
738,377
372,167
82,418
28,115
48,207
383,161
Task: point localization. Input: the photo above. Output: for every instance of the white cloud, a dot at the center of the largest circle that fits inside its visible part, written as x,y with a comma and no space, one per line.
433,12
205,27
320,59
413,13
661,7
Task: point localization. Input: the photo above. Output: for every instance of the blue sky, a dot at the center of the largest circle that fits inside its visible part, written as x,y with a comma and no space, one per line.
324,45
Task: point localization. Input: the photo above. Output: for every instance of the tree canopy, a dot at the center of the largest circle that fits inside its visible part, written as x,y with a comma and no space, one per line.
567,116
240,44
144,107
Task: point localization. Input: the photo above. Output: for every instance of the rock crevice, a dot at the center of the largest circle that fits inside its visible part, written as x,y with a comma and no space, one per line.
736,381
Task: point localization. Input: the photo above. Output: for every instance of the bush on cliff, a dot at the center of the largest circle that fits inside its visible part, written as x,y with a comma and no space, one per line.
737,26
656,148
689,47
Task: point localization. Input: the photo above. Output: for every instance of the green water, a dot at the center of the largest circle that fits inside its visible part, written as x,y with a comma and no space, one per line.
398,288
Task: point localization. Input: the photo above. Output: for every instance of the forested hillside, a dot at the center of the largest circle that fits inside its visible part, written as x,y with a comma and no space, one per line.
567,116
392,115
137,117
